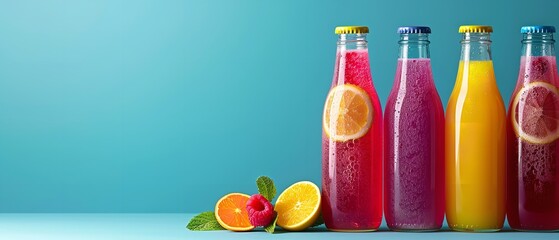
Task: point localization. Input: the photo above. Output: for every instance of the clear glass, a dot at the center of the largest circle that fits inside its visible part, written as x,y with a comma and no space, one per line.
352,41
538,45
414,142
533,166
475,142
352,168
476,47
414,46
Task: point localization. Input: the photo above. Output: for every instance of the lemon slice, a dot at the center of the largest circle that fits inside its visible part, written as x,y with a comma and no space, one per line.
298,206
347,113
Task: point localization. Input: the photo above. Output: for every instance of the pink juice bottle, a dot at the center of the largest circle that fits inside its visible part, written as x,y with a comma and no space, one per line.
352,140
414,140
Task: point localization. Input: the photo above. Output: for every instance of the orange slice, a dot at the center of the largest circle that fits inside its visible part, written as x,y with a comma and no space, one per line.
298,206
535,113
231,213
347,113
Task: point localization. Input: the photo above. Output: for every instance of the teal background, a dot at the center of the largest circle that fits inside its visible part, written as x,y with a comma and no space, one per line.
165,106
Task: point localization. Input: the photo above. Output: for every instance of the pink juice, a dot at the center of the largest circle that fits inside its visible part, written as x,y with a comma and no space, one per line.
351,170
414,149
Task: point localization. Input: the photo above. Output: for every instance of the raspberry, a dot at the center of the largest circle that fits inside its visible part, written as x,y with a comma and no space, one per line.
260,210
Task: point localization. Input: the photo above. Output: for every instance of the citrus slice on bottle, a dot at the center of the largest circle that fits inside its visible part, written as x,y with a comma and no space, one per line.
231,213
347,113
298,206
535,113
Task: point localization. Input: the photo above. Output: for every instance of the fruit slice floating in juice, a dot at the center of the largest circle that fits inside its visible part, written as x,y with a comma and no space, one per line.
347,113
539,113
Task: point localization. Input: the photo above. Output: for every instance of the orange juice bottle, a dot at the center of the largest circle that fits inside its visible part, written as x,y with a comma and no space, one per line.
475,140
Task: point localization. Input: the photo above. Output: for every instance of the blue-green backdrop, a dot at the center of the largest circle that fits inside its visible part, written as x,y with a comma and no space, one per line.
164,106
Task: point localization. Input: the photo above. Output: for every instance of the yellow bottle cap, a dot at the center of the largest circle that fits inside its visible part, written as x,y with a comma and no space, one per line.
475,29
351,29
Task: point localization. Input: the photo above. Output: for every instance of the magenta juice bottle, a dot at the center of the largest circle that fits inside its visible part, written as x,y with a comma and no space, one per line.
352,140
533,136
414,140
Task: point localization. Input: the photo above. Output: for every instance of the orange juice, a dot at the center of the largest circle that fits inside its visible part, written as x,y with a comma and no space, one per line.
475,147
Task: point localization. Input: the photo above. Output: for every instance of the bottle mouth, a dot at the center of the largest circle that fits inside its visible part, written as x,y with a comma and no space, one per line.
404,42
419,38
538,38
348,38
539,41
476,37
352,41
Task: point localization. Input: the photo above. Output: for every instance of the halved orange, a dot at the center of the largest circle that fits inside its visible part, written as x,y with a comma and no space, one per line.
231,212
298,206
347,113
535,113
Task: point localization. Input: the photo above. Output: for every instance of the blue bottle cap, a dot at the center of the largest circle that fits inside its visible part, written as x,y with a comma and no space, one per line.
537,29
414,29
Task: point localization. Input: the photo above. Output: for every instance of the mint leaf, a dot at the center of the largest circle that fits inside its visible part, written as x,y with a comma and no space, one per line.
204,222
272,226
266,187
319,221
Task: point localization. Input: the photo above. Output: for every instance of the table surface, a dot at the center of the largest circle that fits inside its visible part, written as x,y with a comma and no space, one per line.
173,226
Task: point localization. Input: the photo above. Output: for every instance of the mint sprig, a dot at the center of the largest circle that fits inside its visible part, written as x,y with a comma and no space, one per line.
272,226
205,221
266,187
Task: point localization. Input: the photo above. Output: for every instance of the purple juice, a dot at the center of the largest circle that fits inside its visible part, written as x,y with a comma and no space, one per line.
533,168
414,149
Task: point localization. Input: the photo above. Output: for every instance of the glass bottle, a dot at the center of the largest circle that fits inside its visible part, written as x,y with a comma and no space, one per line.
475,140
352,139
414,140
533,132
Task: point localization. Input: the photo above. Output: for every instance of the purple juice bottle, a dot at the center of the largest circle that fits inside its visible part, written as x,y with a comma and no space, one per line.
533,136
414,140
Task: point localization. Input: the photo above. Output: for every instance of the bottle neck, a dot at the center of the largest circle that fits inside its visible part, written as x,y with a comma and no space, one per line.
352,41
538,44
476,47
415,45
